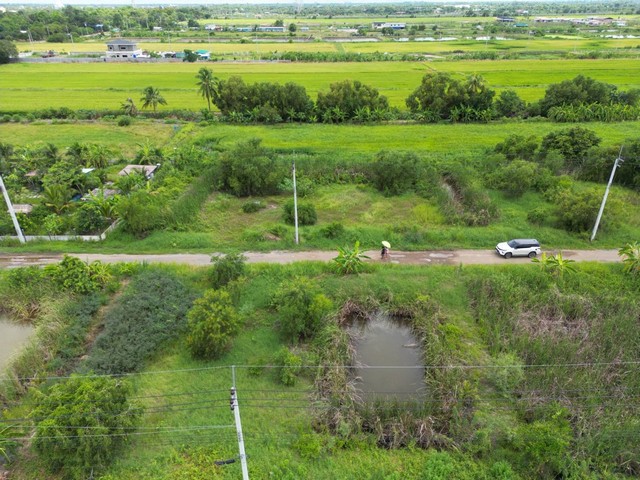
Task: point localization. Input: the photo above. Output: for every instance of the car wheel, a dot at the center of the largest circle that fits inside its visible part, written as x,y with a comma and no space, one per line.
532,254
507,255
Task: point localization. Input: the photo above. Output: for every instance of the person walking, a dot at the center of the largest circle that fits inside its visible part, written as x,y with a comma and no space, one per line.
384,254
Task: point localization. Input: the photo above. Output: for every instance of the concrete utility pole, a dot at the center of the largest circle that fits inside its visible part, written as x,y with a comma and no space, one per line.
12,212
236,412
618,161
295,202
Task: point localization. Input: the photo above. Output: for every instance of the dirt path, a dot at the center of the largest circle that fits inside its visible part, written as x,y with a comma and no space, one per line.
444,257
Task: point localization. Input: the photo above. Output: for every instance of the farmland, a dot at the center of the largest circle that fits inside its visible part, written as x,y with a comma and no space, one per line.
27,87
525,370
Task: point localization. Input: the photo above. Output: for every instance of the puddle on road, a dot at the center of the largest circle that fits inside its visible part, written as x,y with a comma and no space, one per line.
13,336
393,357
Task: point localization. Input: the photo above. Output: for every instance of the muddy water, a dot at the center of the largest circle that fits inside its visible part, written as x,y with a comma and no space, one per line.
13,336
388,358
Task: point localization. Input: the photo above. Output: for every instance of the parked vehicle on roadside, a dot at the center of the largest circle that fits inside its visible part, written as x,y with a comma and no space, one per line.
519,247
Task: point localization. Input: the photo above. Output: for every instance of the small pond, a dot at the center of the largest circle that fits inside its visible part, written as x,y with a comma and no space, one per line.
13,336
388,358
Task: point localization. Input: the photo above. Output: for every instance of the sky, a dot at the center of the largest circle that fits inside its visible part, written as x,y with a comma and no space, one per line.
15,3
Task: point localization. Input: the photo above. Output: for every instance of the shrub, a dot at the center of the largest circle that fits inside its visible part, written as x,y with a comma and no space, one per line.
252,206
395,173
306,213
89,219
507,372
577,210
212,323
333,230
288,365
226,268
124,120
79,277
301,308
538,215
63,414
516,178
151,311
250,169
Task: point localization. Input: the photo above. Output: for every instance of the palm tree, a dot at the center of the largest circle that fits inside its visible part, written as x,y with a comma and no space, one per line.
129,107
57,197
207,84
152,98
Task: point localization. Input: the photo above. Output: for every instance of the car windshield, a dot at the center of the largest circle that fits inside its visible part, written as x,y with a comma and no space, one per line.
512,243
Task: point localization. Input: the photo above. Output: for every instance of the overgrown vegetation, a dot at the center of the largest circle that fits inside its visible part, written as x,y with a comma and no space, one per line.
149,313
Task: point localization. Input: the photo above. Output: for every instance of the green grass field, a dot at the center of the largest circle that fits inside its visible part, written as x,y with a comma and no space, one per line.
110,134
25,87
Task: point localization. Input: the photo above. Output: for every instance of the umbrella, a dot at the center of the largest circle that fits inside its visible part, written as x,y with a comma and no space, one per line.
386,244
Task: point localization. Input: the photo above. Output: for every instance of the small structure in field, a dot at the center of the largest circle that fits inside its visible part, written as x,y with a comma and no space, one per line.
148,170
22,208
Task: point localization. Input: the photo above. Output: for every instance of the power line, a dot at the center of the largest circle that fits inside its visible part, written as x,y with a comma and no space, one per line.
349,367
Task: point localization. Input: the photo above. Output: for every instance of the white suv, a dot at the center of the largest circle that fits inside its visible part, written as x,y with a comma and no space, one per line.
519,247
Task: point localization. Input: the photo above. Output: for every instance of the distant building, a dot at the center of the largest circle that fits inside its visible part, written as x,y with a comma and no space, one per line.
121,48
203,54
271,28
393,25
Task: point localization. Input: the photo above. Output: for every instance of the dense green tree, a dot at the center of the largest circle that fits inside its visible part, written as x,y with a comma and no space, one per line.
152,98
82,423
250,169
7,51
518,146
509,104
579,90
516,178
573,143
440,96
395,173
349,96
190,56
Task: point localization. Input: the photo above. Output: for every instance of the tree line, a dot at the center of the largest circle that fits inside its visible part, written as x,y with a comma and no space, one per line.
439,97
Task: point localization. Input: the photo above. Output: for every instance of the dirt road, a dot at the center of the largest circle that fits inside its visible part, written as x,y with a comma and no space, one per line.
443,257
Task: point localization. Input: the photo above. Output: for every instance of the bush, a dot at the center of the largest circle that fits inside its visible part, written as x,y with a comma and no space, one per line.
89,219
226,268
577,210
306,213
249,169
395,173
288,365
63,414
301,308
507,372
124,121
516,178
538,215
151,311
333,230
252,206
79,277
212,323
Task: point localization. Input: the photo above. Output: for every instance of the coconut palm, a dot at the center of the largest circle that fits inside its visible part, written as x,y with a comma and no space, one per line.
129,107
152,98
207,84
57,197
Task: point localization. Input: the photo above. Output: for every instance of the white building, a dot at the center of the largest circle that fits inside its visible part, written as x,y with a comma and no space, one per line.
121,48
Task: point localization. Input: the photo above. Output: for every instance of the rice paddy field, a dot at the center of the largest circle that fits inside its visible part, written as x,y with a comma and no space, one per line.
29,86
